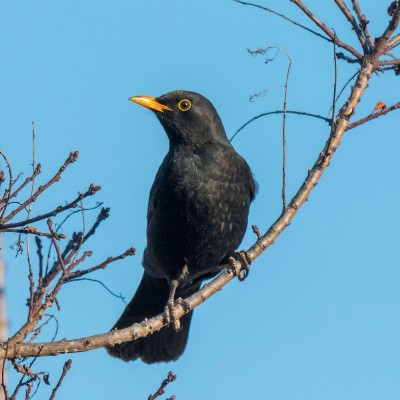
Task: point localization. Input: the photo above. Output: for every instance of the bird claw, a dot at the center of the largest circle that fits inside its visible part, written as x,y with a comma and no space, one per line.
170,312
245,261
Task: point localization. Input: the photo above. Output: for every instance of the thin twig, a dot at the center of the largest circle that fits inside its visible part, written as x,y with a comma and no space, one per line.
36,172
345,85
39,328
31,230
28,391
346,12
303,113
39,252
284,132
263,51
363,23
118,296
396,61
245,3
161,390
326,30
6,197
82,237
350,60
66,368
27,241
394,41
77,274
73,246
90,192
75,237
55,244
374,115
71,159
26,371
334,88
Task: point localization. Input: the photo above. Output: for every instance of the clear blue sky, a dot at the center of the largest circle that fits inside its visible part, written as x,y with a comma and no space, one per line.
318,317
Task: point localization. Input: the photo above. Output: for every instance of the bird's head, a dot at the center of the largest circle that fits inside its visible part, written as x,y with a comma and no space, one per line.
187,117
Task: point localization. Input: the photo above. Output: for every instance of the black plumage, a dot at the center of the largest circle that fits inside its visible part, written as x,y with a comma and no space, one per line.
197,216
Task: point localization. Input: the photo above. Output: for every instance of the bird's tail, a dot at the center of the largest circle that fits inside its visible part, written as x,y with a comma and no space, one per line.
150,300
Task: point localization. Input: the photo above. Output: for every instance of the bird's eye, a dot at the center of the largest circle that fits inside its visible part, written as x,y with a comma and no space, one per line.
184,105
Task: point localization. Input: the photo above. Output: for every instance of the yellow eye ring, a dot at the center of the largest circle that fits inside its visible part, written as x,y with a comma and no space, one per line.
185,105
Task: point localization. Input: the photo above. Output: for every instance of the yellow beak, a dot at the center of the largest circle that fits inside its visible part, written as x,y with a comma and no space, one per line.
150,102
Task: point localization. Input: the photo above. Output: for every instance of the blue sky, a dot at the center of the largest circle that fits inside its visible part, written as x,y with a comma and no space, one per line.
318,316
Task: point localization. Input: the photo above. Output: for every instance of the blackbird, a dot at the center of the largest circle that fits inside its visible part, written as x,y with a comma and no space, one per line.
197,216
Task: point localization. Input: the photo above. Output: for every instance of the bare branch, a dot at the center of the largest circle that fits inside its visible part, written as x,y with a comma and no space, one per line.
6,197
71,159
342,56
77,274
396,61
374,115
303,113
363,23
161,390
3,317
284,133
30,230
74,245
55,244
346,12
383,45
394,41
326,30
66,368
31,178
284,17
90,192
333,108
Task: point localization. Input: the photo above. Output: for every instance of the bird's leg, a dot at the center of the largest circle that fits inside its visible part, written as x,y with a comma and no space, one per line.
170,307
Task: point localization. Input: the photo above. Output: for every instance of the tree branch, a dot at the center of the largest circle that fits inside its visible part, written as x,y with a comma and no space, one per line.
71,159
363,23
66,368
374,115
326,30
17,350
245,3
303,113
346,12
90,192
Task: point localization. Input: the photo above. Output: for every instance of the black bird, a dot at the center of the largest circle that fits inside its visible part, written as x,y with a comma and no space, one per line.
197,216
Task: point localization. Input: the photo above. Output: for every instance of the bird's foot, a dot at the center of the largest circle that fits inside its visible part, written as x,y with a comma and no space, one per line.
170,312
244,259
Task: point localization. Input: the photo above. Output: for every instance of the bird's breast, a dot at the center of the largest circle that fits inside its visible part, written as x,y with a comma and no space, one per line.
198,211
